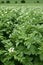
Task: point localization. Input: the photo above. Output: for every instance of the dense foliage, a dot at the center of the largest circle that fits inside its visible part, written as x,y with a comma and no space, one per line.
21,36
21,1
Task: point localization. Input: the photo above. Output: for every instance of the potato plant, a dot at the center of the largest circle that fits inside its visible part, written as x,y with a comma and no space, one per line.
21,36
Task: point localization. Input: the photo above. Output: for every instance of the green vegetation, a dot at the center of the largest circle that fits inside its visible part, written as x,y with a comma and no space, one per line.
22,1
21,36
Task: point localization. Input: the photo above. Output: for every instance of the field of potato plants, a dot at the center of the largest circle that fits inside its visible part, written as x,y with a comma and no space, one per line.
21,36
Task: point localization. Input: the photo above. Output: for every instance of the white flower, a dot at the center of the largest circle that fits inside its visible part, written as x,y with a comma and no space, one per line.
11,50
